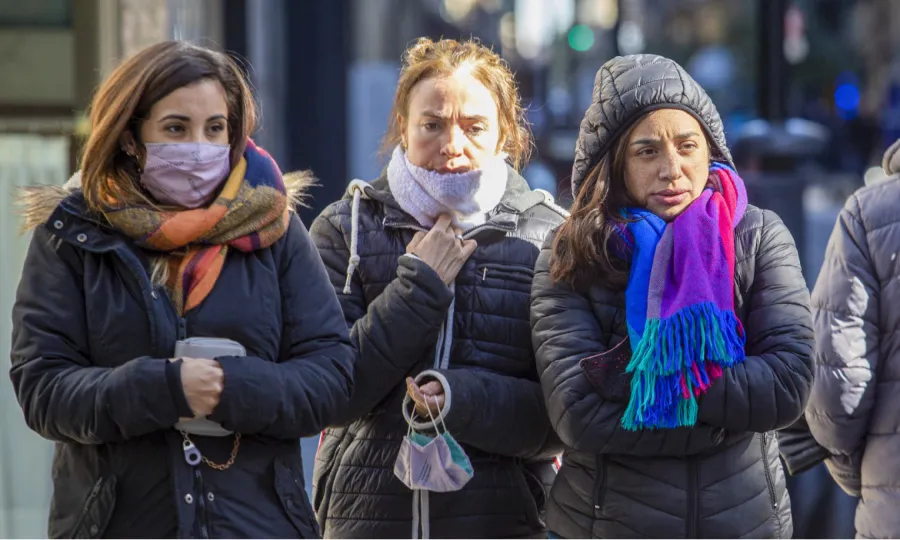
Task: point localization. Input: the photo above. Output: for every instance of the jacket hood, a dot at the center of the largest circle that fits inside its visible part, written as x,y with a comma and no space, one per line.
37,203
627,87
891,161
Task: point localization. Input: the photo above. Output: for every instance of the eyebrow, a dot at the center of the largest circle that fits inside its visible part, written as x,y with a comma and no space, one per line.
442,116
184,118
680,137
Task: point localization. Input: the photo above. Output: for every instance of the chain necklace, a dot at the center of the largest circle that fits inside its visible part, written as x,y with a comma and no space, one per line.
193,456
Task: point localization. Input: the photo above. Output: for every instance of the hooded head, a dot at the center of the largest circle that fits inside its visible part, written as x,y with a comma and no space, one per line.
626,88
647,140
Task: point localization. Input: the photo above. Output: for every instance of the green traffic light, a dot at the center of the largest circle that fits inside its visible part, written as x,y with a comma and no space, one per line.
581,38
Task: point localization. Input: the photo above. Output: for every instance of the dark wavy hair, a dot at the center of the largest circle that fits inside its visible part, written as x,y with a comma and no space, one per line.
581,249
580,253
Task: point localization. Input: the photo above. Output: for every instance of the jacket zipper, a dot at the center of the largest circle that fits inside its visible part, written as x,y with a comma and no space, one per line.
95,491
467,235
693,496
180,322
182,327
478,228
513,271
201,503
408,226
600,484
764,443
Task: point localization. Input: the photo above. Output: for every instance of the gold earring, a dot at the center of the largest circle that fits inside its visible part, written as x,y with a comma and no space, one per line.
137,163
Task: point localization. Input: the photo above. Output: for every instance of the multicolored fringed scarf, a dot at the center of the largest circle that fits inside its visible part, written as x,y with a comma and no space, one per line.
252,212
679,303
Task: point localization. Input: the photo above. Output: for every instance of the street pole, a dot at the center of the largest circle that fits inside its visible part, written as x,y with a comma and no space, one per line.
772,65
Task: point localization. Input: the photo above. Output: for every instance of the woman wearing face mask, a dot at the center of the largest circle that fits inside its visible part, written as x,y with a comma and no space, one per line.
433,262
177,227
671,324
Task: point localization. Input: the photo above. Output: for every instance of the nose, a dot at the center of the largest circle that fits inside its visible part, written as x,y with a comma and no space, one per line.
454,145
670,165
199,135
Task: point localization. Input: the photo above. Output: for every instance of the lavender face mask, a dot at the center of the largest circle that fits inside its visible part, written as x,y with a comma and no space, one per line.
432,463
185,174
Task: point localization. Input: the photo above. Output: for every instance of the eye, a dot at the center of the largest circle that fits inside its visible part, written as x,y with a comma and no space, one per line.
431,126
477,129
648,151
689,146
174,128
217,128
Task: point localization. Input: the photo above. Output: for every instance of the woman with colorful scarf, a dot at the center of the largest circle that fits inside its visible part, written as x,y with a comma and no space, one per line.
671,324
433,264
178,234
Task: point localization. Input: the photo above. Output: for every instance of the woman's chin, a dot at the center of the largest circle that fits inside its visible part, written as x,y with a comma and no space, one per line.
668,213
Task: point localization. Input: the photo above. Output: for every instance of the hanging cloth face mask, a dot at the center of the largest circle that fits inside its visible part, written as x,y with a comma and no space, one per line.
432,463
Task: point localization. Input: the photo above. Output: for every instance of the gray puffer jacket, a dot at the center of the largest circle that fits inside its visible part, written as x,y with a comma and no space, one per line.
722,478
854,409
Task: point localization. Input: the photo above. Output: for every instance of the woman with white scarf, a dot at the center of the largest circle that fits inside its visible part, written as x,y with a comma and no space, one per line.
433,264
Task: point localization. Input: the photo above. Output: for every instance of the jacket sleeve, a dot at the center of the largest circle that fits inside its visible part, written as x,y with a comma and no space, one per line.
498,414
394,330
65,397
799,449
565,330
311,383
769,390
846,306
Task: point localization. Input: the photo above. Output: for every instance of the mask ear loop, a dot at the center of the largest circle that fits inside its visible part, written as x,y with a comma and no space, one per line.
412,415
439,417
409,419
433,421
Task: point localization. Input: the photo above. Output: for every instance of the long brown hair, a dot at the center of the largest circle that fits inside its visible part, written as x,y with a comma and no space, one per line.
124,100
427,59
581,247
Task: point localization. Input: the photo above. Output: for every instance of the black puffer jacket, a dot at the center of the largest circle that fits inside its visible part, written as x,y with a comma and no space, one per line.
722,478
91,340
395,307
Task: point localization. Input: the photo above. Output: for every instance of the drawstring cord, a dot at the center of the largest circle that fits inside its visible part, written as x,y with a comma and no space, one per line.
357,189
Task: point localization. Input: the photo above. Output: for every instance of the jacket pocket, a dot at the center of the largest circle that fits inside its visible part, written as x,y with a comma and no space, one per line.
97,510
530,503
600,484
293,498
505,272
770,482
332,452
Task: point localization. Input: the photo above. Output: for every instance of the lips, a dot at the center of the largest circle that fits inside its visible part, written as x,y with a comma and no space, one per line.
453,170
670,197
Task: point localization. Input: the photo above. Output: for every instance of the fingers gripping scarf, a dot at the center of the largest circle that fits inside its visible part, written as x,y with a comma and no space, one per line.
679,303
250,213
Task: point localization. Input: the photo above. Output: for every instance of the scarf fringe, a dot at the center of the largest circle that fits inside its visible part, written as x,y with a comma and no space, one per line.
676,360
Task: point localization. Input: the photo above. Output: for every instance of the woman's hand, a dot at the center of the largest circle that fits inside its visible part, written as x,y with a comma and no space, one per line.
202,380
429,395
443,249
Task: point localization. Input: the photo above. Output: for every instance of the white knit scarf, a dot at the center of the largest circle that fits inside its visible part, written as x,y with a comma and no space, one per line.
467,197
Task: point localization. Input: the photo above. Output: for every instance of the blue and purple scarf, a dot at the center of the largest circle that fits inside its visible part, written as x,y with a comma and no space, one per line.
679,303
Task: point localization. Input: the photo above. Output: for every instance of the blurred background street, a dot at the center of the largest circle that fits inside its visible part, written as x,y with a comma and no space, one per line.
809,91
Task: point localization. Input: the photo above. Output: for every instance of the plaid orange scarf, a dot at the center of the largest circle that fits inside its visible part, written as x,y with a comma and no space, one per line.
251,213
